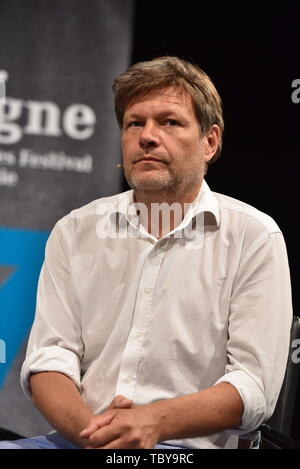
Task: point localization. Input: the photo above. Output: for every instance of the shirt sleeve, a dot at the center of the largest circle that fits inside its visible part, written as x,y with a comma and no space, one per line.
259,325
55,340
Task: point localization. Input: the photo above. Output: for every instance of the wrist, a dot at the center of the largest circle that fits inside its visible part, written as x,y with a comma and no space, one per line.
163,411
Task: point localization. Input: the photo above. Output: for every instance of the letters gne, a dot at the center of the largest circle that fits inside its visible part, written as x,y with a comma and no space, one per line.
154,458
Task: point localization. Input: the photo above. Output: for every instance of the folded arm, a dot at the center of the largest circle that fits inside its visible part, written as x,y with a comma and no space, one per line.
209,411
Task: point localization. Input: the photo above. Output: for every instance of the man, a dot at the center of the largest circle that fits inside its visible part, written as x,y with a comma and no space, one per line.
163,313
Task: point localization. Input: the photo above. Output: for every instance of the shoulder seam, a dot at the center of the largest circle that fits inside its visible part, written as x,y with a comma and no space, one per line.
265,220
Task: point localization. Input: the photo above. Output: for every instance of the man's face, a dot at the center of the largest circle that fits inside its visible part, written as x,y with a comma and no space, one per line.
163,149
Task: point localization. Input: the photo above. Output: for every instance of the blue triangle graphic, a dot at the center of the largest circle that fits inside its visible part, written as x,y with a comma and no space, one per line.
24,251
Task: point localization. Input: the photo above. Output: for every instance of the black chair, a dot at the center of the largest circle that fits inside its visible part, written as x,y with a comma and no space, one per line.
276,433
9,435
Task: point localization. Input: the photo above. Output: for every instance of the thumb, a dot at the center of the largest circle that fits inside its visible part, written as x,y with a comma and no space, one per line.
121,402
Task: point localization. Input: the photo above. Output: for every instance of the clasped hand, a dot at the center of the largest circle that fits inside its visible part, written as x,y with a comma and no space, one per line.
123,425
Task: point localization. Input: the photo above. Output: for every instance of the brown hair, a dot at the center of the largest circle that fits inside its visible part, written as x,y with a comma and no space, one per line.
144,77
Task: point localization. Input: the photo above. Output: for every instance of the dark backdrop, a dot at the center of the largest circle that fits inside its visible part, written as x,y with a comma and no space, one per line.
251,53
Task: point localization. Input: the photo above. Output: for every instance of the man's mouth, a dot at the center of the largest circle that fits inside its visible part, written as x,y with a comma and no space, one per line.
149,159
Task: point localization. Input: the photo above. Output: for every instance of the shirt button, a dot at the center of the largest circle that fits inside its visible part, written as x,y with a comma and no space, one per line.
138,335
147,291
127,380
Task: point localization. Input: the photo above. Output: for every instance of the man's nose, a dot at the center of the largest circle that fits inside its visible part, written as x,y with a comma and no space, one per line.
149,136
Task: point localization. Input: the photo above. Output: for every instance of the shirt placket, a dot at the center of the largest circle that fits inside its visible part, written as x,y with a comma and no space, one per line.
133,351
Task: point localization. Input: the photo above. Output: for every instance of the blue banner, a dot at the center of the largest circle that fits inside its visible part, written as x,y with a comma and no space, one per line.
21,257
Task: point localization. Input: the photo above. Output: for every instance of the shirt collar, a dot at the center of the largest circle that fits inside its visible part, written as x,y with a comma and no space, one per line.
204,202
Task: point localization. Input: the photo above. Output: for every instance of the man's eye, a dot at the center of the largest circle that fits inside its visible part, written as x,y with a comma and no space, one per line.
171,122
133,124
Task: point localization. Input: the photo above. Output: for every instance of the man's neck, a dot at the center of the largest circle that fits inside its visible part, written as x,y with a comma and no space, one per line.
163,212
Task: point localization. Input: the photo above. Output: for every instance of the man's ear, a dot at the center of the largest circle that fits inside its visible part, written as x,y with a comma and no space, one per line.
213,136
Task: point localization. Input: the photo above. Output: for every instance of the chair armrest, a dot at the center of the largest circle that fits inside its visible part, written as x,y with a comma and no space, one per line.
273,439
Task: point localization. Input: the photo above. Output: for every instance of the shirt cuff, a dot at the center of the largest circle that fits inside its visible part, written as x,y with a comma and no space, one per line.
50,359
255,412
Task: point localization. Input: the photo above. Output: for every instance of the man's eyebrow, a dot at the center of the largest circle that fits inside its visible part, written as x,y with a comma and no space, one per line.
159,114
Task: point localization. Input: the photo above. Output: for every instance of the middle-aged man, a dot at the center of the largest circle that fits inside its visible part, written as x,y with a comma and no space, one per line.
163,313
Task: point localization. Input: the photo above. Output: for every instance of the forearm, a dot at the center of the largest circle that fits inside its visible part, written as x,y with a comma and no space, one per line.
58,399
210,411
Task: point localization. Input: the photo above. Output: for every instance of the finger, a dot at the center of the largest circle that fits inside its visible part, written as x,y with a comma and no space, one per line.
103,436
88,431
94,426
119,443
114,444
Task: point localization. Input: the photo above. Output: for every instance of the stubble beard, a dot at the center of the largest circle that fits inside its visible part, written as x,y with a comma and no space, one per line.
162,186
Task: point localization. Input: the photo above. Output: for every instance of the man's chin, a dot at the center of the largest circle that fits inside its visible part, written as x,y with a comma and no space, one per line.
151,183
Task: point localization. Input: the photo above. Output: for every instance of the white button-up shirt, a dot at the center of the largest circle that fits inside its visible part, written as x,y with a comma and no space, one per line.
121,312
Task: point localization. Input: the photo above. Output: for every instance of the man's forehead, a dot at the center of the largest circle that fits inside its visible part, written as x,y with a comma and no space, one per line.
170,94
